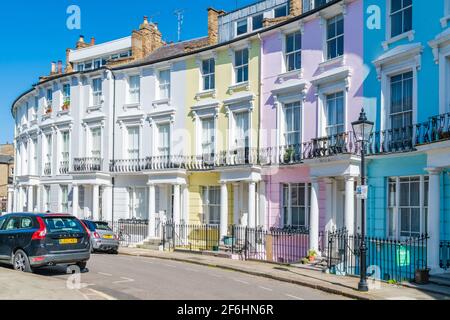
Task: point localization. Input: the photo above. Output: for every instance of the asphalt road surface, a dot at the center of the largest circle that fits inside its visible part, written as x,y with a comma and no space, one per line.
128,277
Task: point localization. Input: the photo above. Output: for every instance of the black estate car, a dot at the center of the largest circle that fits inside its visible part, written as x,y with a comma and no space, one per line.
29,240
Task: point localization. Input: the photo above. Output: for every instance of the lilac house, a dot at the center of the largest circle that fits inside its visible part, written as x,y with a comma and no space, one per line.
312,74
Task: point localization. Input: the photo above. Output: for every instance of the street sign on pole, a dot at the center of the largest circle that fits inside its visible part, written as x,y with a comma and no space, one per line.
361,192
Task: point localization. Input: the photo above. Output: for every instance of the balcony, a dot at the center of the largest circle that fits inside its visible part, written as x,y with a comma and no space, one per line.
47,169
64,167
149,163
341,143
87,164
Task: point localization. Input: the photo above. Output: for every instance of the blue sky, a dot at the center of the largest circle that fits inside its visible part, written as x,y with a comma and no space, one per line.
34,33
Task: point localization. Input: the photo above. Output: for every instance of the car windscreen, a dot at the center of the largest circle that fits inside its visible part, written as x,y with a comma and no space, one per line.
63,224
2,220
102,226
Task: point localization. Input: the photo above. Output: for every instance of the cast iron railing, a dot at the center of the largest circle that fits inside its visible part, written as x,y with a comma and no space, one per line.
387,259
47,169
129,231
87,164
64,167
444,254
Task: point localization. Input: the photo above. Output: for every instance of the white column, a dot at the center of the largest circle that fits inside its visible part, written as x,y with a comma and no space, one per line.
38,200
236,213
223,209
185,192
314,216
350,204
176,204
95,203
30,199
75,200
151,210
251,204
10,199
262,205
329,222
434,210
107,203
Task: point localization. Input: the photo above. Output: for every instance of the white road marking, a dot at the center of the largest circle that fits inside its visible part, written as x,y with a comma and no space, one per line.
105,274
401,298
125,279
103,295
241,281
264,288
294,297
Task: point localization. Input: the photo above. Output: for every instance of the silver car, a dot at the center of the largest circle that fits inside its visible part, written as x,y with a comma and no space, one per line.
102,237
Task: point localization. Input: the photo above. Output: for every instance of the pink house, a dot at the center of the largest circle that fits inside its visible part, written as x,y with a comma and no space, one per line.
311,92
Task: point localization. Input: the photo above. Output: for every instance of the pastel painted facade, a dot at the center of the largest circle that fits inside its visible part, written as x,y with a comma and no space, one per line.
406,94
309,86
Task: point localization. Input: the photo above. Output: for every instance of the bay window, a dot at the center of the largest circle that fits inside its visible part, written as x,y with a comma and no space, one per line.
407,206
296,206
400,16
241,65
335,37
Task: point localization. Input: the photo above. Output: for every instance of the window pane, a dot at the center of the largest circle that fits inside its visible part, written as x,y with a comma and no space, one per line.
241,27
396,24
257,22
280,12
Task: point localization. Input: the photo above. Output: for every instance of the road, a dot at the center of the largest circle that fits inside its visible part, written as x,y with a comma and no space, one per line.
131,278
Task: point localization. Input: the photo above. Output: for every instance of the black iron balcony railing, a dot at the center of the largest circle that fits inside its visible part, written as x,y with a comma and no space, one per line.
341,143
87,164
64,167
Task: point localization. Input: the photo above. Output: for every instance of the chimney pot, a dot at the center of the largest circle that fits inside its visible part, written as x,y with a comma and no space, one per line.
81,38
59,66
92,41
53,68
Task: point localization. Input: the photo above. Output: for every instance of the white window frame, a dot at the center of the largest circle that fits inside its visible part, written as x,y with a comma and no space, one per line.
48,151
64,96
389,39
335,38
205,192
210,142
289,206
163,150
64,199
283,130
65,154
211,75
236,67
251,21
49,102
235,142
132,203
423,209
92,151
327,125
166,84
278,7
127,142
237,26
286,54
96,95
47,194
389,102
134,94
390,14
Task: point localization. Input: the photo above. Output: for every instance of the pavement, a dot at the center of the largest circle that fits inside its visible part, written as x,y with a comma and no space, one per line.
27,286
333,284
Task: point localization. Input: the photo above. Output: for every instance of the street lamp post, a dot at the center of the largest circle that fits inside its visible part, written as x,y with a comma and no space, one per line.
362,129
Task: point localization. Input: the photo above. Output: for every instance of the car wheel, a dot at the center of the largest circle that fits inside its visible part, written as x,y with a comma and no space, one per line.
82,265
21,262
114,251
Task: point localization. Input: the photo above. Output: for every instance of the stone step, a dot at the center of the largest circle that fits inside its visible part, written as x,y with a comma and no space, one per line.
440,280
150,247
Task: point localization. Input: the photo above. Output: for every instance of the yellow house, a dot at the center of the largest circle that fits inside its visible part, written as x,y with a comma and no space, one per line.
222,102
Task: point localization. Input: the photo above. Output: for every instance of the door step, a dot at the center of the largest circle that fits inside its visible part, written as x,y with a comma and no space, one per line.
441,279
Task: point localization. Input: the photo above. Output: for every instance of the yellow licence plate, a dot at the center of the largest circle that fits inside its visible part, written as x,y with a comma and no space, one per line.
67,241
107,236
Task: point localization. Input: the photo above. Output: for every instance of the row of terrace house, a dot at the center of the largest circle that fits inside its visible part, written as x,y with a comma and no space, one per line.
250,125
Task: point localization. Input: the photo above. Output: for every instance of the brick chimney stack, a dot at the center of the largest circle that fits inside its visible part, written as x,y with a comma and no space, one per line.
69,67
213,25
295,7
81,44
145,40
92,41
59,67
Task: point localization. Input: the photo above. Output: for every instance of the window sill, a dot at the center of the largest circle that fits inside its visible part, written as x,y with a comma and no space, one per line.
338,61
94,108
46,116
409,35
63,112
206,93
239,86
135,105
159,102
444,21
282,77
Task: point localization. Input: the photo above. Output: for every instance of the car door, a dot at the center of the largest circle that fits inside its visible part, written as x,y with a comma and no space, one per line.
9,236
3,239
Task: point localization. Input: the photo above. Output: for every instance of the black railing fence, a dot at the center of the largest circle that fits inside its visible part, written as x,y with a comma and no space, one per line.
191,237
386,259
444,254
130,231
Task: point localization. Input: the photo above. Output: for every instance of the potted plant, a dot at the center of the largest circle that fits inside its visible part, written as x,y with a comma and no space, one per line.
48,110
289,152
312,255
422,276
66,105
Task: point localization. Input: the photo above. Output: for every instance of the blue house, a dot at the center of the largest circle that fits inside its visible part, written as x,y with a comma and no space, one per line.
407,95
